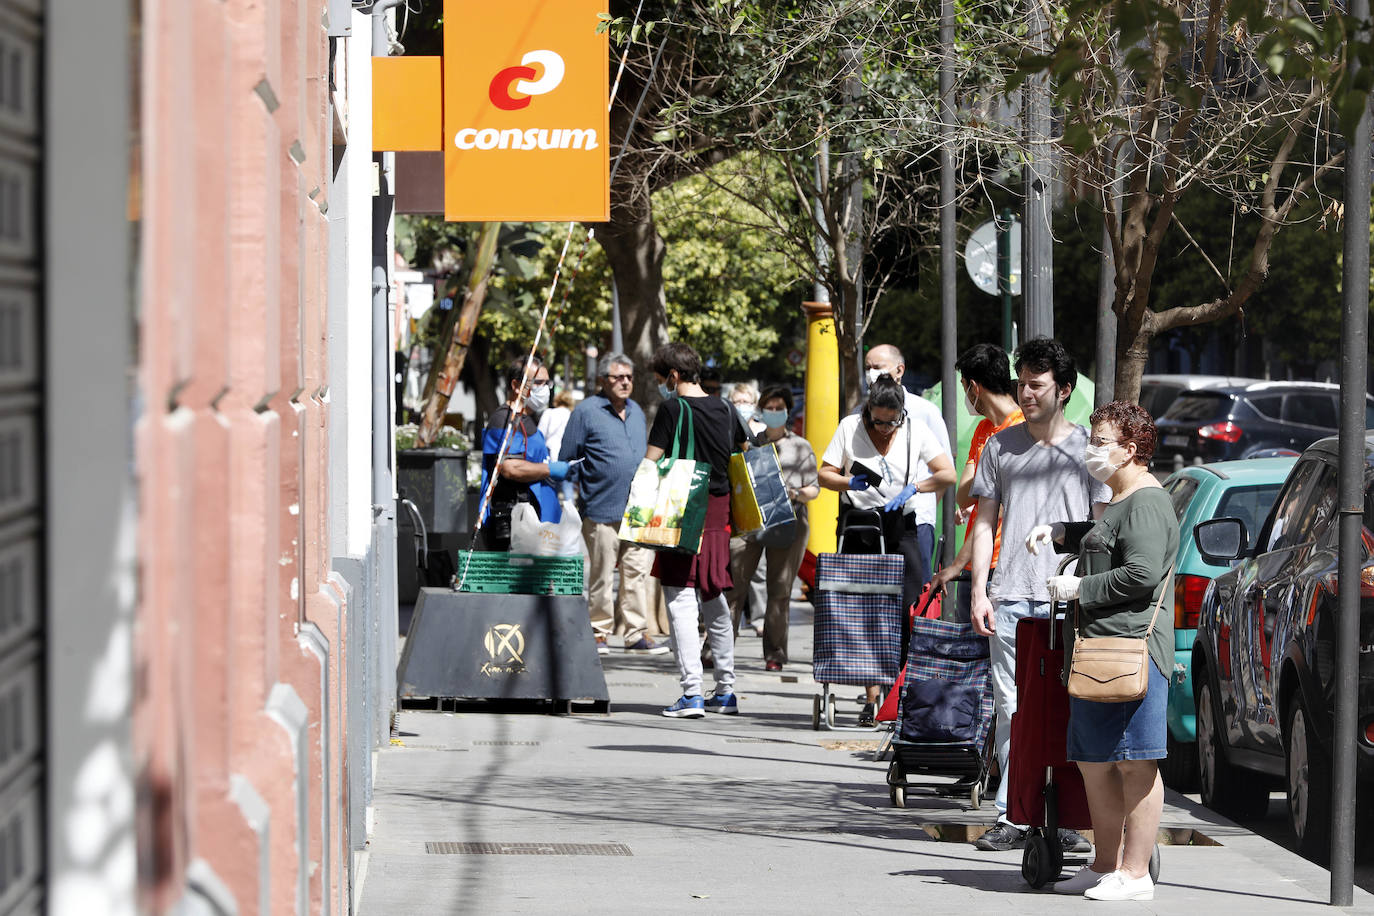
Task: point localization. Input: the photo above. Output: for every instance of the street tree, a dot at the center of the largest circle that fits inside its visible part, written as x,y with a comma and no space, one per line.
1240,98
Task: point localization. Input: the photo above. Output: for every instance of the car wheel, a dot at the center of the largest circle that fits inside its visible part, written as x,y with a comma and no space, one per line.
1180,769
1226,789
1308,771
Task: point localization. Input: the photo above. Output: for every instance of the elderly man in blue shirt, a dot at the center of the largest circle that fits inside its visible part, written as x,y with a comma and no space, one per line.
607,431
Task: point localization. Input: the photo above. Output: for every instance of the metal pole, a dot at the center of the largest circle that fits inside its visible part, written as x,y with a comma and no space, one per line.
1106,322
821,293
617,336
1037,258
1354,363
1004,223
854,187
949,336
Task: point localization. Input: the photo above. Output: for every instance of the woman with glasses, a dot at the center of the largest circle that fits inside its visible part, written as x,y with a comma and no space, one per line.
1125,567
526,474
879,459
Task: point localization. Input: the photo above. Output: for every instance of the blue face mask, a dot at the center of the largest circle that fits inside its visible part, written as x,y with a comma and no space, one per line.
774,418
664,391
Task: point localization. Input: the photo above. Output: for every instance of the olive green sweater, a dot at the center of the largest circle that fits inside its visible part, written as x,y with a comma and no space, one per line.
1122,561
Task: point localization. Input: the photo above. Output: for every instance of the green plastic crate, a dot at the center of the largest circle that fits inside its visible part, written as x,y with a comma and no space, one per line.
499,573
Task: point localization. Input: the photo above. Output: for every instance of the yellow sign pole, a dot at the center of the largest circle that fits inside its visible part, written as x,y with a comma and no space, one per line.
822,414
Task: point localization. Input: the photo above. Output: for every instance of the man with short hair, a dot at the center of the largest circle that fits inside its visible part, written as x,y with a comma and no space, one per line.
608,433
1029,473
985,374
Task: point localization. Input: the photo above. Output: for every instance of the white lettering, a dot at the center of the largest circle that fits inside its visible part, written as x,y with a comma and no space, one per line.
578,137
530,138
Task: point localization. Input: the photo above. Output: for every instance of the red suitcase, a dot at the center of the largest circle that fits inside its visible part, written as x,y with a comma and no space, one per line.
1045,790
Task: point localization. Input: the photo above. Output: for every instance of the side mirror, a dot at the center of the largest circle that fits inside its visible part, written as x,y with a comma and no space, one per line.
1220,540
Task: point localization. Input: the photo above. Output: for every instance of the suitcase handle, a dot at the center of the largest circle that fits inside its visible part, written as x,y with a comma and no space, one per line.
1064,564
875,525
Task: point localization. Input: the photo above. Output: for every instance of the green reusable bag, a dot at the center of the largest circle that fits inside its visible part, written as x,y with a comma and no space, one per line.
667,505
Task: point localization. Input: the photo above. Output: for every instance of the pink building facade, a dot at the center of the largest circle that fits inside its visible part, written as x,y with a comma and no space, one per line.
218,665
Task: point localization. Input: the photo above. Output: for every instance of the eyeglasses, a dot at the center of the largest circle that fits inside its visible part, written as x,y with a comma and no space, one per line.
538,383
888,424
1098,441
621,378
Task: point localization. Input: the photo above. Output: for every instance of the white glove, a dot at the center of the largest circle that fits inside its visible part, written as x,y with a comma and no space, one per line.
1063,588
1042,535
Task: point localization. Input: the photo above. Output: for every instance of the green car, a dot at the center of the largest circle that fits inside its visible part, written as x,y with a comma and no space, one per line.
1227,489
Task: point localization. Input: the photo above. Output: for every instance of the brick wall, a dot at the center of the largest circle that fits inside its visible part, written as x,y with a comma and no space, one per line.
238,726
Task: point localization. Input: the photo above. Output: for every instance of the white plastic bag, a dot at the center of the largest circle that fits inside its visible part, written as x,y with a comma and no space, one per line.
546,539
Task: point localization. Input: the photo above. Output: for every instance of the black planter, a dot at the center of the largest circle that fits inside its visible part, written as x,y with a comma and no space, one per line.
436,480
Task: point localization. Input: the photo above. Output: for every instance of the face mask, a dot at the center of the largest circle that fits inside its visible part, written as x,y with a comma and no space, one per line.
746,411
873,375
1099,462
664,391
970,405
774,418
538,399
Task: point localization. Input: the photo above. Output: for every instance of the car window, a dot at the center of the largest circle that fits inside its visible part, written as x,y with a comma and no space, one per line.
1156,397
1310,409
1199,405
1320,508
1181,493
1281,527
1268,405
1368,414
1249,504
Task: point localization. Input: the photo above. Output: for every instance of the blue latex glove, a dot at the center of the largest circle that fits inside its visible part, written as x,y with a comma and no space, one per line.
558,470
900,499
858,482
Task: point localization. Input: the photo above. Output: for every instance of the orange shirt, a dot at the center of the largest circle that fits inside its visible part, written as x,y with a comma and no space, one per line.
981,435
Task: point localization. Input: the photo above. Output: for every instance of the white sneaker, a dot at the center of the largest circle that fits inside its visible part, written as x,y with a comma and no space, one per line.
1080,882
1117,886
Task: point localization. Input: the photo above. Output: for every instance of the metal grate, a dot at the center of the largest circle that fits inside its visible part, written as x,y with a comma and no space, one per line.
527,849
506,743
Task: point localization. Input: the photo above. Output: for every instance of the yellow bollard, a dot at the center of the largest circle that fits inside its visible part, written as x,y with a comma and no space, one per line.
822,415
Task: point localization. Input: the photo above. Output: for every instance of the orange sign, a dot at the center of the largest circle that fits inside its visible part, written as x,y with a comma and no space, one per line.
525,121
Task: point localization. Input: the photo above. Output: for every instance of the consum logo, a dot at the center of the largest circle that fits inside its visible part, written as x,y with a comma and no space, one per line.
517,105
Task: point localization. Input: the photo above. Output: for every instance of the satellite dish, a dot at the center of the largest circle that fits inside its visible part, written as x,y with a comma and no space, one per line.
980,257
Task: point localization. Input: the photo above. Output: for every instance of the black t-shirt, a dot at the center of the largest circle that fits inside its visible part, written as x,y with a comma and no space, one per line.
507,490
718,429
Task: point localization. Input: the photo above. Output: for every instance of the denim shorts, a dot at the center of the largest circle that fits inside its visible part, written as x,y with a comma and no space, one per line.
1106,732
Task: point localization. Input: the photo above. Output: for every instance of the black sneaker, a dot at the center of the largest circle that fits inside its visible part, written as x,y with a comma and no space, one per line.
866,716
1001,838
1073,841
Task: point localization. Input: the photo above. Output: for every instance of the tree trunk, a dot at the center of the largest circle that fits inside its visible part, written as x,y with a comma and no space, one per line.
1131,354
634,249
450,365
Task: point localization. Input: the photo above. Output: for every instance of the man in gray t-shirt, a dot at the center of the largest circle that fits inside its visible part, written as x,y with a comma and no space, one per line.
1033,483
1031,474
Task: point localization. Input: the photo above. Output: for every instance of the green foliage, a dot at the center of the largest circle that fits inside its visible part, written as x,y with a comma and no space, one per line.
732,290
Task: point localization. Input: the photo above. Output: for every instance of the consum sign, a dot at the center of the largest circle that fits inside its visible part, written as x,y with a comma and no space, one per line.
524,110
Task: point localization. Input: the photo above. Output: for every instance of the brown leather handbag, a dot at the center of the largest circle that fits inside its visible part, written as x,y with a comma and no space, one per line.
1113,669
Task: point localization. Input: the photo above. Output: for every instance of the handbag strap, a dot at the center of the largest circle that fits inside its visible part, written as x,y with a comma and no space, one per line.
1163,593
691,446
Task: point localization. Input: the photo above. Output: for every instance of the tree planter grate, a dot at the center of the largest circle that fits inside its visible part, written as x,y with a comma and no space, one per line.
527,849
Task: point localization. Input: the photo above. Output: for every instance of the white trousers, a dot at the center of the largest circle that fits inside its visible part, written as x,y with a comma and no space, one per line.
684,608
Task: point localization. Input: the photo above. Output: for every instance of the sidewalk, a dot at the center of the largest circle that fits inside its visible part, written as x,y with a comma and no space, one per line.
633,812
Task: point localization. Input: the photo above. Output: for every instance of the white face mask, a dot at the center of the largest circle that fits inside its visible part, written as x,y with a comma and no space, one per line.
1099,462
746,411
538,399
873,375
970,405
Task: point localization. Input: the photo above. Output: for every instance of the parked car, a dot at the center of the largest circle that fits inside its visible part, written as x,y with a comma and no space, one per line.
1159,391
1233,489
1263,660
1236,421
